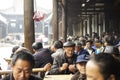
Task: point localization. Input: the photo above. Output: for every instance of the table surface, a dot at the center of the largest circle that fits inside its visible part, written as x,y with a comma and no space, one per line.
58,77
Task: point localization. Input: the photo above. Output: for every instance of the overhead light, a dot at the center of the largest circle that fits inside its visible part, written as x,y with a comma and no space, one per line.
83,5
87,0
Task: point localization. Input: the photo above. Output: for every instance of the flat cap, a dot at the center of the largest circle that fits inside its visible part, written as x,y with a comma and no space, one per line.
77,43
68,44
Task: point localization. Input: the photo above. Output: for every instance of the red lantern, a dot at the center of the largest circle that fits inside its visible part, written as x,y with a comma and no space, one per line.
38,16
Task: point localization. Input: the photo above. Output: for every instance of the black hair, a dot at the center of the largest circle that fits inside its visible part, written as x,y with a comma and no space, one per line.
110,40
108,65
98,41
37,45
23,54
58,44
90,41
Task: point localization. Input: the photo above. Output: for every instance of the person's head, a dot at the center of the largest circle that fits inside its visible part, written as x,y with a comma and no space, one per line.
22,45
36,46
58,44
89,44
78,46
81,63
22,64
69,48
103,67
109,40
98,44
83,42
14,49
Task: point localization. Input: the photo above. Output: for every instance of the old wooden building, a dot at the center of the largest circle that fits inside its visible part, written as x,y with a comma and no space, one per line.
80,17
76,17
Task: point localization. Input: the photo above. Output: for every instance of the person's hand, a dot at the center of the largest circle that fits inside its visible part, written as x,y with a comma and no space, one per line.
64,66
47,67
72,68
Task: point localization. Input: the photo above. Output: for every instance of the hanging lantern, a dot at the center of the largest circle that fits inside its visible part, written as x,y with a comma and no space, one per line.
38,16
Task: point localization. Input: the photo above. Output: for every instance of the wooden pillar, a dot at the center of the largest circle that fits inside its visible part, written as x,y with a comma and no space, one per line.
90,25
29,23
82,24
101,24
107,23
64,20
55,20
93,23
70,29
98,24
80,28
85,27
95,26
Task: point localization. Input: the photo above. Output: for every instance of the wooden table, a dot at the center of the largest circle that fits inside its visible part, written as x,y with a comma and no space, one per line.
58,77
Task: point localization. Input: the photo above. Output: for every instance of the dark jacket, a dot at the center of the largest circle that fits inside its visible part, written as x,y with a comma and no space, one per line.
78,76
10,77
82,51
59,60
42,57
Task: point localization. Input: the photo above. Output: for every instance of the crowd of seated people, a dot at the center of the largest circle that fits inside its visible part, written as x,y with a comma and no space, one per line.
83,57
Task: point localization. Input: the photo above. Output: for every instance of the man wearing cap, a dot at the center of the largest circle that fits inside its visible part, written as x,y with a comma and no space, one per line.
78,49
81,64
64,63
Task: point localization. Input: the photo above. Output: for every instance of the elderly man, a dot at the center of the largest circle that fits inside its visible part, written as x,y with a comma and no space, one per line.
64,63
22,64
81,64
58,48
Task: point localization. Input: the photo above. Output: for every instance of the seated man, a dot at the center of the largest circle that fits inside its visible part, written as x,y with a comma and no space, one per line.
58,48
78,49
81,64
89,48
22,64
64,63
42,57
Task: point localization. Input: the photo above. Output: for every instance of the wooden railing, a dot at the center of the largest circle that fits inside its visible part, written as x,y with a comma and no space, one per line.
5,72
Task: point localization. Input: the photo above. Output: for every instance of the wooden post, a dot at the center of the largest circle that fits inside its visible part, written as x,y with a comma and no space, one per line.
101,24
64,19
82,24
98,23
86,27
55,20
90,25
29,23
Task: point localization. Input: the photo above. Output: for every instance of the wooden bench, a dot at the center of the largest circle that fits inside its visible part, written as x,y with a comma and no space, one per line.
34,70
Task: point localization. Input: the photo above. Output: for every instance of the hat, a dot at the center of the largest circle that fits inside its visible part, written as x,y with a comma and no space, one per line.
118,44
82,58
68,44
77,43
